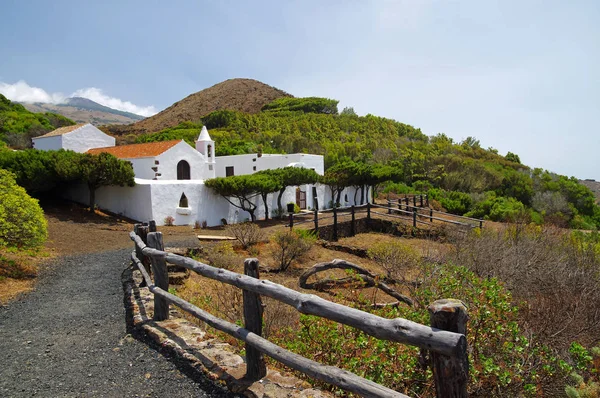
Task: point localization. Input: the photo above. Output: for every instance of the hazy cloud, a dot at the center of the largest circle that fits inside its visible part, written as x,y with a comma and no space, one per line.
23,92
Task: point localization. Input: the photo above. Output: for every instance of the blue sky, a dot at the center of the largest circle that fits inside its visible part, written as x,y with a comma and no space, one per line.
520,76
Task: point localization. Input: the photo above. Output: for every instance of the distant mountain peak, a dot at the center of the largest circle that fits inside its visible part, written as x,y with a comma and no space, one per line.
84,110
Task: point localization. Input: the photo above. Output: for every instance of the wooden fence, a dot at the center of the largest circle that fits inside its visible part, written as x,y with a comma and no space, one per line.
418,216
444,339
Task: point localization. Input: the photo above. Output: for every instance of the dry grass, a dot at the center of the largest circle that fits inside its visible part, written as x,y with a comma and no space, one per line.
225,301
12,288
18,270
430,249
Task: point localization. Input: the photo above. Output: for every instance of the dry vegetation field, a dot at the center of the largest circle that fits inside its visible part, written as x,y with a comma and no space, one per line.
531,292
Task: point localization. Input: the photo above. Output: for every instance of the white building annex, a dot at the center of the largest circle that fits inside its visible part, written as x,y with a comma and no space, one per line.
78,138
169,177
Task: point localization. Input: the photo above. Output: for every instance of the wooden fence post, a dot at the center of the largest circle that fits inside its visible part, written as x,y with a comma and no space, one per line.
352,226
291,221
389,205
400,204
451,374
253,318
142,231
317,222
335,226
480,223
421,200
414,217
415,200
430,215
161,277
427,200
406,202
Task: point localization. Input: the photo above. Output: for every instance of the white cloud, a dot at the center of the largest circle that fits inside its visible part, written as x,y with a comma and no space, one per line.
23,92
96,94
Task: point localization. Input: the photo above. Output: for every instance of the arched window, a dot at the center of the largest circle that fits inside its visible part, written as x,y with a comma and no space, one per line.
183,201
209,151
183,170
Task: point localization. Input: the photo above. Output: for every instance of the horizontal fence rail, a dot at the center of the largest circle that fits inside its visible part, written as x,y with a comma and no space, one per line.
447,345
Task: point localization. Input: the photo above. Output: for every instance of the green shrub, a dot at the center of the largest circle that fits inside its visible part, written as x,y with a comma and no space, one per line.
22,222
453,201
305,105
498,208
396,187
504,361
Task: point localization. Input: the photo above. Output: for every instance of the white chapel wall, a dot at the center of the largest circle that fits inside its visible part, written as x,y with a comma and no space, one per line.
168,162
86,137
53,143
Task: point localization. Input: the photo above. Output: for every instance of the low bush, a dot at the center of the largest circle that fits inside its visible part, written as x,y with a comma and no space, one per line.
246,233
222,255
289,246
169,221
22,222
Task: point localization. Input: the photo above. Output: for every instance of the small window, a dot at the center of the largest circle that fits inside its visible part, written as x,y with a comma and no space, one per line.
229,171
254,159
209,150
183,170
156,162
183,201
210,167
254,168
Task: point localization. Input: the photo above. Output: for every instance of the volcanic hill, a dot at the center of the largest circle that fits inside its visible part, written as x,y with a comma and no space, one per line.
245,95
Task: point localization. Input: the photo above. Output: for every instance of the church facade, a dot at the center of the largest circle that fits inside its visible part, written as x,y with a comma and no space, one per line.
170,175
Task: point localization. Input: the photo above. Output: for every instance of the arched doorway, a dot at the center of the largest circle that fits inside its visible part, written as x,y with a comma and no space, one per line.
183,170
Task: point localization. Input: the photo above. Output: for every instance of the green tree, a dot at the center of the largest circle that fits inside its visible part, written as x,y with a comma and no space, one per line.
348,111
290,177
102,170
243,188
22,222
511,157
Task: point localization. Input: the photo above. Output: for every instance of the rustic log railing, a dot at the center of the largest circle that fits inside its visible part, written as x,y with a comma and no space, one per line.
448,348
406,212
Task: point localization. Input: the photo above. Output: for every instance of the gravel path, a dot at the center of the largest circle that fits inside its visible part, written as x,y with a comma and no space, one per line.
68,338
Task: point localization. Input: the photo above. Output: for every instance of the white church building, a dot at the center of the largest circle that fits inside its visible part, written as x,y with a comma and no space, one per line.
170,175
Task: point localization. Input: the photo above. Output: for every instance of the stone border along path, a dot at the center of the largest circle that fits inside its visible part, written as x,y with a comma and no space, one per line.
68,338
207,355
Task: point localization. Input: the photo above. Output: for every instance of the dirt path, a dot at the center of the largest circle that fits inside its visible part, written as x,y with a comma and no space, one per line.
68,337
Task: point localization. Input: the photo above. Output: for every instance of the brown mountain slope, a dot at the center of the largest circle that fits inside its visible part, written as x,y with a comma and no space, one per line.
246,95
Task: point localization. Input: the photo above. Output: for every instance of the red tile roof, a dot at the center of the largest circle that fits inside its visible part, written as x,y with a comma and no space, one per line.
62,130
149,149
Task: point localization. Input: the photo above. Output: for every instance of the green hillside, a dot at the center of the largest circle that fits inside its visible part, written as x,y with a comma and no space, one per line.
462,177
18,125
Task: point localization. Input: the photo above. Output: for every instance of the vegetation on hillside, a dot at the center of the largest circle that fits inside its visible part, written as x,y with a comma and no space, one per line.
368,151
18,125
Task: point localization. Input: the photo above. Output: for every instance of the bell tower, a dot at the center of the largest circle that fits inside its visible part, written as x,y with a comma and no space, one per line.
206,146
